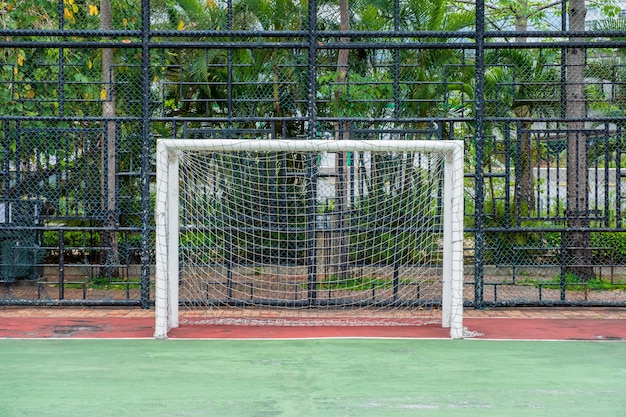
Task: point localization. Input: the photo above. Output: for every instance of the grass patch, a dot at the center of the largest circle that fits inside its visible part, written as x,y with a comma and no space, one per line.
359,283
106,284
574,283
101,283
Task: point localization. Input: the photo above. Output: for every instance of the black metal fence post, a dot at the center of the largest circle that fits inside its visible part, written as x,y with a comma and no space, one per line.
479,236
146,150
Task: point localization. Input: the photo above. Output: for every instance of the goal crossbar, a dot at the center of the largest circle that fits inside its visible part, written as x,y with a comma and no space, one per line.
168,227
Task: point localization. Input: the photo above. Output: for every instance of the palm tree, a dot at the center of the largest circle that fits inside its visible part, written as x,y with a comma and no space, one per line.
261,81
363,84
527,85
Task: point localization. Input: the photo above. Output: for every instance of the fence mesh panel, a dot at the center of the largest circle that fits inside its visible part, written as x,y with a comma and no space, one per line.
536,94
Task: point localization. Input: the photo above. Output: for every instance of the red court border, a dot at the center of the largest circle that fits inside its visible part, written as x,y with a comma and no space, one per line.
517,324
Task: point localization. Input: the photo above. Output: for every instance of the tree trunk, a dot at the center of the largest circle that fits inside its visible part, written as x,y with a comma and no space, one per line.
340,249
577,243
524,196
109,259
521,19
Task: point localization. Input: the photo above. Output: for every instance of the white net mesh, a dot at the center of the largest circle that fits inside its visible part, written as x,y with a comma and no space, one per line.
288,237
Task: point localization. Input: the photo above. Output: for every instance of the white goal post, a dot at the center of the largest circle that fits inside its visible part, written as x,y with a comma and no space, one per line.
230,243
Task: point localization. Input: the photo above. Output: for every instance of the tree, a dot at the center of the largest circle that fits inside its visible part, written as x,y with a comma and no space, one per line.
578,240
527,85
609,70
109,258
520,14
363,85
258,82
72,82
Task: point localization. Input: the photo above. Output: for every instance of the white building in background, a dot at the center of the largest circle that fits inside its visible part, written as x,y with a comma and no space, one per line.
595,14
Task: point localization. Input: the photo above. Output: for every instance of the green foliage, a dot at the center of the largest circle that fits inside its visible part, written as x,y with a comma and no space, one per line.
107,283
130,248
614,240
265,209
360,96
78,246
384,216
272,82
203,246
75,243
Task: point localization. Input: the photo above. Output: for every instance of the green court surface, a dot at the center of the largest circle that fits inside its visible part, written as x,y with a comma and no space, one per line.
310,378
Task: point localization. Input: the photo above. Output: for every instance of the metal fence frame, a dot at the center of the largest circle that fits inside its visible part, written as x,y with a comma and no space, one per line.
150,43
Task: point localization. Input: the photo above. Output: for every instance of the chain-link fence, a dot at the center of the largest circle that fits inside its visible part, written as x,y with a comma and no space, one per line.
536,93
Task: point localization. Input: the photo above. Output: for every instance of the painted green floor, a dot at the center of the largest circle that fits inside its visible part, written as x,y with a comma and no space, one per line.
309,378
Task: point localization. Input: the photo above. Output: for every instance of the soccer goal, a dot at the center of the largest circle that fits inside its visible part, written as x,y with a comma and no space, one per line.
309,232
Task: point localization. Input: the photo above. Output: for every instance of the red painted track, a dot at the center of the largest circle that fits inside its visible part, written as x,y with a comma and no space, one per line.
597,328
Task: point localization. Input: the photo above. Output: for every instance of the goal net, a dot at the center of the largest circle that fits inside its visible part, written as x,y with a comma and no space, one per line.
309,232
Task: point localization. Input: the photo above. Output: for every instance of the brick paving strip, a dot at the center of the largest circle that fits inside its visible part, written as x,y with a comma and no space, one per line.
511,323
